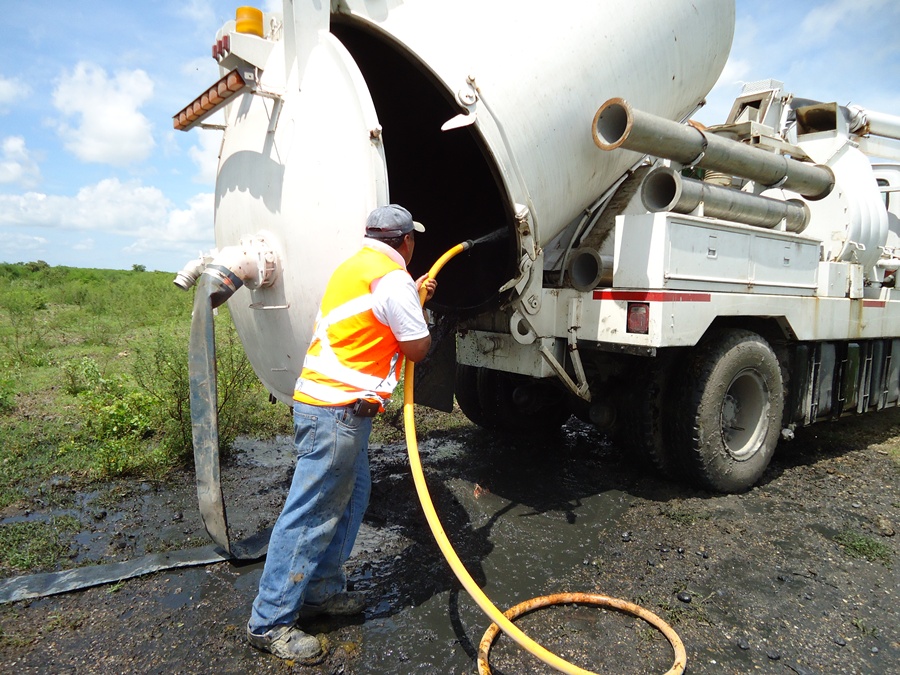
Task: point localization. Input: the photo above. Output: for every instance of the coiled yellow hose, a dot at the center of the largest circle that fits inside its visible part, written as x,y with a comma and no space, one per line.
504,621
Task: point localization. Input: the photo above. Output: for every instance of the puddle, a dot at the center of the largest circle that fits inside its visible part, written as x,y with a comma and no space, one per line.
266,453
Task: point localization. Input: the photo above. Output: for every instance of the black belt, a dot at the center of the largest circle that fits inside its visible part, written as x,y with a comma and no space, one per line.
364,408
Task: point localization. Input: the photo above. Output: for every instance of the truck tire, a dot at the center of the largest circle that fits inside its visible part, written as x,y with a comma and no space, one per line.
729,419
467,393
644,430
498,405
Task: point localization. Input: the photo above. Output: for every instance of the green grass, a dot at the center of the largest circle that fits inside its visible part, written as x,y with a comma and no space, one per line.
683,516
862,546
94,385
26,546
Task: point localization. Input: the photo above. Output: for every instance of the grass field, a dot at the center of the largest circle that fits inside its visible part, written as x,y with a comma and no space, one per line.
94,387
94,384
95,380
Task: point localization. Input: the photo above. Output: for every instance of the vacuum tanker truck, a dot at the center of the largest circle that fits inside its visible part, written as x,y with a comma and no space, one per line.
696,292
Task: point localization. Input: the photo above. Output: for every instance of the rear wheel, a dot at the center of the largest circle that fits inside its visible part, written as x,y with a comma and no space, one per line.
467,393
507,402
644,430
729,420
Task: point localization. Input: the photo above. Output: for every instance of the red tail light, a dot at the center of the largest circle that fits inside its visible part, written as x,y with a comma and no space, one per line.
638,319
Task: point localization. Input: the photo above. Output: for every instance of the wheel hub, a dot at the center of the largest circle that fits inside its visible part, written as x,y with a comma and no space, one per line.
744,414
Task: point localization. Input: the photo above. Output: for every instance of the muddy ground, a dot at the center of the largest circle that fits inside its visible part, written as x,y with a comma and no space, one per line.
757,582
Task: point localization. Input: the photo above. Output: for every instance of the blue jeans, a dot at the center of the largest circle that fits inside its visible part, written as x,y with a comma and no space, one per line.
314,534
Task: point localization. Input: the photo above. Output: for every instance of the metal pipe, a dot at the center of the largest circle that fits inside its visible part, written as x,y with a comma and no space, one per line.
665,189
189,274
617,124
588,269
864,121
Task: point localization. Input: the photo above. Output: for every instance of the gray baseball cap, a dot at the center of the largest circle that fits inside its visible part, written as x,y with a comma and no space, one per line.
388,222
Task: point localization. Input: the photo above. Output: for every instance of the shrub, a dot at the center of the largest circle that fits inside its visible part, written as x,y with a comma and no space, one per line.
161,371
116,422
19,303
81,375
7,394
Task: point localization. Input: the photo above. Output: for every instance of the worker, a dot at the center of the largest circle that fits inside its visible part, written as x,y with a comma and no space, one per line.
370,317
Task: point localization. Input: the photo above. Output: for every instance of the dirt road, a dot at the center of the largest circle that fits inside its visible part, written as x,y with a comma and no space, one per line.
798,575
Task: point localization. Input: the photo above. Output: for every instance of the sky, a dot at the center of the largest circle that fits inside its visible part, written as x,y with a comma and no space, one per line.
92,174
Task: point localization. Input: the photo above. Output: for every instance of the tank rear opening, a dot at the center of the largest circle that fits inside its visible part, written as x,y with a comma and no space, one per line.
446,179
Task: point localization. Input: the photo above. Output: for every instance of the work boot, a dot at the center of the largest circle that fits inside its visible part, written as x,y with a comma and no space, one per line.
347,603
287,642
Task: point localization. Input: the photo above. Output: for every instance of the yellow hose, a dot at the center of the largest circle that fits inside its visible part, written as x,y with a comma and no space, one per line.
504,621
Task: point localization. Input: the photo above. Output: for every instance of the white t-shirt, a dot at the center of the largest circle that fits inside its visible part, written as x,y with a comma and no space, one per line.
395,300
396,304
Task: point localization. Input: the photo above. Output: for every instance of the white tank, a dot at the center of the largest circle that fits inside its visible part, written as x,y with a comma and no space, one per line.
353,118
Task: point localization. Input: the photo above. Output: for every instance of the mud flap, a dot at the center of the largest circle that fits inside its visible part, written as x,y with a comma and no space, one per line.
435,377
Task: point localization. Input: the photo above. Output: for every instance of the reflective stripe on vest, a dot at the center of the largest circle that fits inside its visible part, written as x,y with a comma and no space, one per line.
352,354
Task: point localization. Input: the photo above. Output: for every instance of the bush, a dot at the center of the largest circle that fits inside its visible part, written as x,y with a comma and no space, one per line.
20,303
161,371
7,394
81,375
117,342
116,422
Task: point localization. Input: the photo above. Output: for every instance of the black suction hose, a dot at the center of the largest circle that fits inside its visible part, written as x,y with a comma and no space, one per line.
214,287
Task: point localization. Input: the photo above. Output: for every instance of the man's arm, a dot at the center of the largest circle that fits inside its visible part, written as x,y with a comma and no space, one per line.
397,305
415,350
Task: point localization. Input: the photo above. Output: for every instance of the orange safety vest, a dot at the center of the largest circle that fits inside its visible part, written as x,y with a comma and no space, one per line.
352,354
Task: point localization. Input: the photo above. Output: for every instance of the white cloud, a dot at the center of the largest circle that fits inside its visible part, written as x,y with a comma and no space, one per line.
824,19
23,243
735,72
17,164
11,91
110,127
206,155
138,214
109,206
199,11
193,225
115,208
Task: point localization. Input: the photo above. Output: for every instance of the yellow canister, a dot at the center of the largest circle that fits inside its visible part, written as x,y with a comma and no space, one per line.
249,20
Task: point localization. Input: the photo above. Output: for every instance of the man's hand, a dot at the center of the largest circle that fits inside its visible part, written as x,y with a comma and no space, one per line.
430,285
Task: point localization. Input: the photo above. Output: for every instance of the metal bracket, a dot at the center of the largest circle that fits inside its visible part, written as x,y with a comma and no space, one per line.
563,375
584,390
